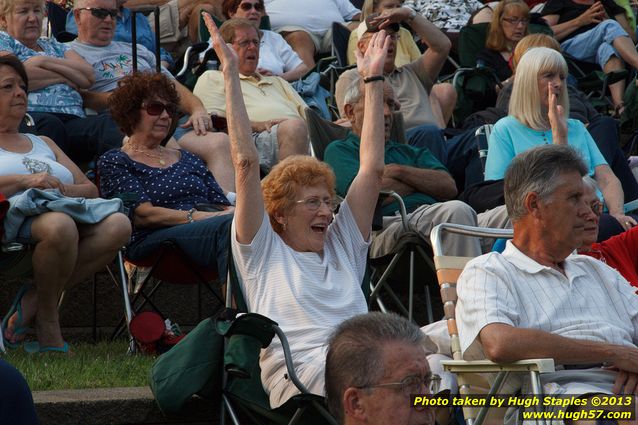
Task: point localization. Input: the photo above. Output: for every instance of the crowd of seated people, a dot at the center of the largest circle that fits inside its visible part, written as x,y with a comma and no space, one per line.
274,203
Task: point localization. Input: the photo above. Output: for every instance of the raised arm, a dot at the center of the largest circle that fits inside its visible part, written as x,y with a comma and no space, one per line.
438,43
249,205
364,190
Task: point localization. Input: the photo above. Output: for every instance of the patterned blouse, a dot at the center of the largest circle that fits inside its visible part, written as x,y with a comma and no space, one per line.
179,186
447,15
56,98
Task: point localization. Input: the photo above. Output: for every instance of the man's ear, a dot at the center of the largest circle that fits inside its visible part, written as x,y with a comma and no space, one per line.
348,111
532,204
353,405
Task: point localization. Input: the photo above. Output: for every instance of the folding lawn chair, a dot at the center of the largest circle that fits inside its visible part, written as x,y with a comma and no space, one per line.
448,269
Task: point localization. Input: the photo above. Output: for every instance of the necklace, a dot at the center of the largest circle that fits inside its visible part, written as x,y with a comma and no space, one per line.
160,157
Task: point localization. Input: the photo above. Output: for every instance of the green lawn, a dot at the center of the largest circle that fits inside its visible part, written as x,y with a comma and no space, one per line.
100,365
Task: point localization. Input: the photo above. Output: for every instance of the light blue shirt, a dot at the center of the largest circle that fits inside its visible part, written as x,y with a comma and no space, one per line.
55,98
509,138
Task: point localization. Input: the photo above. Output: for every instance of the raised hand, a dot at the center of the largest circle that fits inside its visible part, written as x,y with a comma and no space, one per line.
391,16
373,61
227,56
556,115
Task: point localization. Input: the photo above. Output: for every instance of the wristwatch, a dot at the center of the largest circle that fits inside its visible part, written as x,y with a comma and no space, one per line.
412,15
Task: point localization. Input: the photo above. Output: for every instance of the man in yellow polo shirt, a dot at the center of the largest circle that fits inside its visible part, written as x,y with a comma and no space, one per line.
275,109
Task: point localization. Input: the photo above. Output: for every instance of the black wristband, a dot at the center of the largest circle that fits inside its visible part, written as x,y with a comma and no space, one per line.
373,78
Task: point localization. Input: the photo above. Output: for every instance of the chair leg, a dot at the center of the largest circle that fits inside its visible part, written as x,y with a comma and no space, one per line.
94,300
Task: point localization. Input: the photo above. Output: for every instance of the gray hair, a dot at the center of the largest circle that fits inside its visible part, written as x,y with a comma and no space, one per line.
355,350
354,91
590,183
538,170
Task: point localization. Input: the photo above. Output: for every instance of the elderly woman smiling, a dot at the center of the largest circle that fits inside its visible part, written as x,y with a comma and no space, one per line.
56,74
65,251
171,186
299,263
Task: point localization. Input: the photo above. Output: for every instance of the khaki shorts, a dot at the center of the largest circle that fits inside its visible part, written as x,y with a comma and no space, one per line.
323,42
268,148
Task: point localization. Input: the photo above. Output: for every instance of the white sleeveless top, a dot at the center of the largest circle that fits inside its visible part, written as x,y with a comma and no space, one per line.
39,159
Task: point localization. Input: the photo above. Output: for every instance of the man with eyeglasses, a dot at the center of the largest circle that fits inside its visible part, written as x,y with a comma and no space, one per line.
537,300
414,173
375,362
274,108
112,60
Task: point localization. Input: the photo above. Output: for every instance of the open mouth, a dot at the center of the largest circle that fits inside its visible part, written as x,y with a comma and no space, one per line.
319,228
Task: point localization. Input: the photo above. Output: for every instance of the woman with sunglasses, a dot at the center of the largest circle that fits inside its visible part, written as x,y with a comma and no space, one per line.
174,195
508,27
276,57
66,248
620,251
57,76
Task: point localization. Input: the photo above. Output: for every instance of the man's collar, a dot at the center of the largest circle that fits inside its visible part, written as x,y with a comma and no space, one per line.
256,77
525,263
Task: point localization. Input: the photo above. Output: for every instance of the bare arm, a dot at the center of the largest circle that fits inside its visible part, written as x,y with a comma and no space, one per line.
81,186
95,100
436,183
438,43
148,216
613,195
364,190
505,343
594,15
71,70
296,73
249,208
199,119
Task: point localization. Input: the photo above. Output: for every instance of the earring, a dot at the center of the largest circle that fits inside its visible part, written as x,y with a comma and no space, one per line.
284,226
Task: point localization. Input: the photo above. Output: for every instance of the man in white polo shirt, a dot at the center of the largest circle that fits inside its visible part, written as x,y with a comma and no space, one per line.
537,300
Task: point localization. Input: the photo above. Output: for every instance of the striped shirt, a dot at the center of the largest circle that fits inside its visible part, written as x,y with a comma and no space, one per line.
306,293
590,302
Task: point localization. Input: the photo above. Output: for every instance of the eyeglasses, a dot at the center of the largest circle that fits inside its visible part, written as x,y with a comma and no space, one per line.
516,21
156,108
245,43
597,208
100,12
313,203
247,6
412,384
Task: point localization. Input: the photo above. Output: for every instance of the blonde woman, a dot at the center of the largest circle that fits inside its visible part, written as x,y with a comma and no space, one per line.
539,117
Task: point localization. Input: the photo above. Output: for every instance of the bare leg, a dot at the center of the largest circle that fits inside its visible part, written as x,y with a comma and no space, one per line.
214,150
442,101
292,138
98,245
54,257
627,50
301,43
617,90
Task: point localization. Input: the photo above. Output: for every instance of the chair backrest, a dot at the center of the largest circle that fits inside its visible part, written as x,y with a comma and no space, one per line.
449,268
56,16
340,38
323,132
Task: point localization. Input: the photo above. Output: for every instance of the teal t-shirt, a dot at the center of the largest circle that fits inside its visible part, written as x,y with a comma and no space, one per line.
343,157
510,137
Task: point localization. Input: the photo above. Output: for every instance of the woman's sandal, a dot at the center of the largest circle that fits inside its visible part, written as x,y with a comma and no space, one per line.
16,307
33,347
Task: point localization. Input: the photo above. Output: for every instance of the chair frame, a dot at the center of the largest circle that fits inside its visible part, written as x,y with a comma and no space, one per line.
448,270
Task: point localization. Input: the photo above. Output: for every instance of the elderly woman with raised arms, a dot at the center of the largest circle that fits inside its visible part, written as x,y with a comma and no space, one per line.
299,263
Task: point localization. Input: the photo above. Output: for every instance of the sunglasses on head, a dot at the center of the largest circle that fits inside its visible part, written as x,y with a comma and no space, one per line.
156,108
247,6
100,12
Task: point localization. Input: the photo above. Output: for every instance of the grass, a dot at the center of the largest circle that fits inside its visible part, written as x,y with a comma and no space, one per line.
100,365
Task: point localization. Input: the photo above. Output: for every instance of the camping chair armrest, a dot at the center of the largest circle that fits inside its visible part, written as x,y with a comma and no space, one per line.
288,358
487,366
402,210
195,49
12,247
